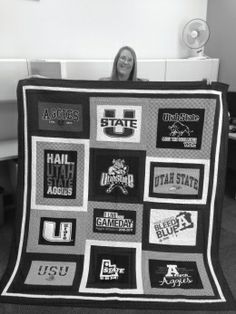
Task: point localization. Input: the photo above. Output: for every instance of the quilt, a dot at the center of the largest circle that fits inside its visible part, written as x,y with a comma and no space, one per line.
120,193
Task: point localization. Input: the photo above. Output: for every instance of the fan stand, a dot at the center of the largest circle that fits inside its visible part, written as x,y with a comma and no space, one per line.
198,54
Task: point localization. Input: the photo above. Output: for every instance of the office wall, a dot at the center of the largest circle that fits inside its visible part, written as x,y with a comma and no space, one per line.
90,29
221,16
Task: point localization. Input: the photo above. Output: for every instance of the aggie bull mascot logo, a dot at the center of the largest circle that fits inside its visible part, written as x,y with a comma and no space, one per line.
117,176
179,129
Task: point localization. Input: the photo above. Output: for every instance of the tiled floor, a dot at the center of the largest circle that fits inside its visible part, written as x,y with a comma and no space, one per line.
227,257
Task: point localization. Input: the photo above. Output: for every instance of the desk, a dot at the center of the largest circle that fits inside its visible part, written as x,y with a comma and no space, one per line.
8,149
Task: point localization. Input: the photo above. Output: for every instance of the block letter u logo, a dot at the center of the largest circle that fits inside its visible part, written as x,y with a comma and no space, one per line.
121,123
50,233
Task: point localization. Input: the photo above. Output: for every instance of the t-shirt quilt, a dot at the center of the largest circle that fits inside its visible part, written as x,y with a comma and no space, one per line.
120,194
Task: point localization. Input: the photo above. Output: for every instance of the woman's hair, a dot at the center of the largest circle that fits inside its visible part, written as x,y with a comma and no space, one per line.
133,73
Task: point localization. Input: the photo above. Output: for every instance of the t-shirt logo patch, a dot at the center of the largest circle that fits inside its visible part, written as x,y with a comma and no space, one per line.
60,174
57,231
176,181
114,268
114,221
172,227
173,275
60,117
180,128
51,273
119,123
117,177
166,180
172,179
110,271
111,267
173,278
111,124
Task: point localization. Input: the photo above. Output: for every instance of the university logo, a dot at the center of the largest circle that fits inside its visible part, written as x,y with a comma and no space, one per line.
180,117
110,271
65,232
173,227
119,126
117,177
180,128
119,123
173,278
60,174
174,275
175,180
58,116
111,221
67,116
57,231
51,273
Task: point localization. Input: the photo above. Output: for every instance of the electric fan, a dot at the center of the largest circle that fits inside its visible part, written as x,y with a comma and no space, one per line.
195,35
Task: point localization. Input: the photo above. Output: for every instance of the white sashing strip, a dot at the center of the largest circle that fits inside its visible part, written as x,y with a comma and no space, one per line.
148,92
212,204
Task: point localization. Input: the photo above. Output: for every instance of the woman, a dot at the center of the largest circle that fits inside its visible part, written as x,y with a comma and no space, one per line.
124,66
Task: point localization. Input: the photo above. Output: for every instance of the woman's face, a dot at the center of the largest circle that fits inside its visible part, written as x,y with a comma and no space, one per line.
125,64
